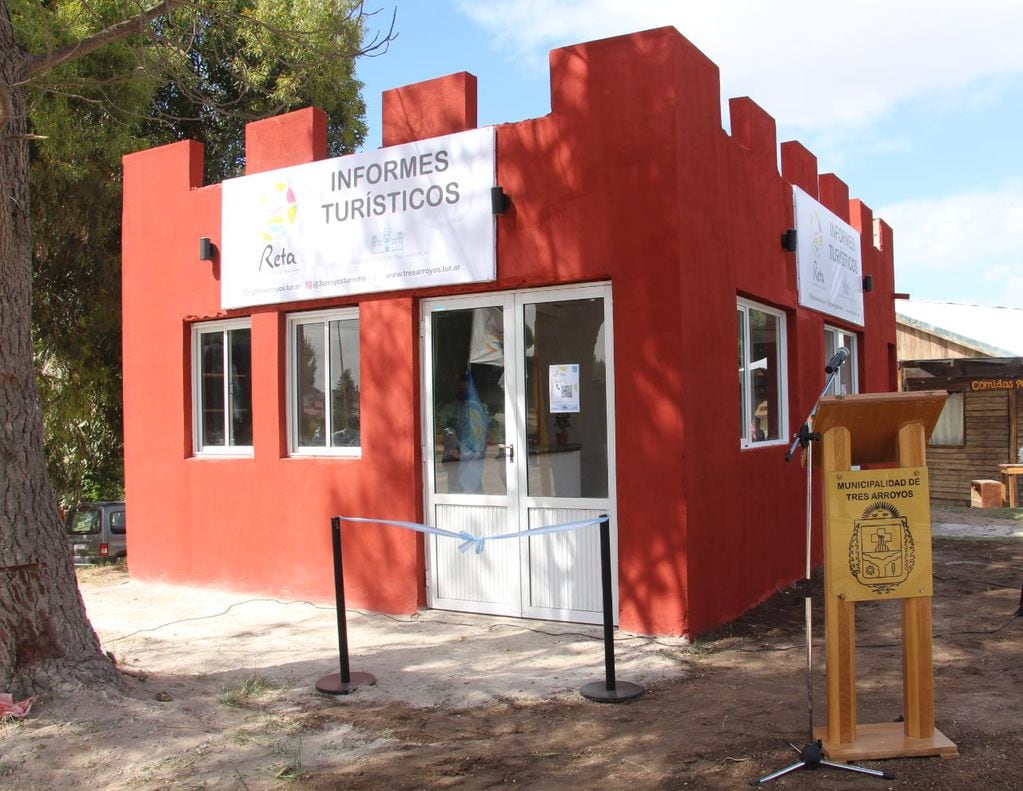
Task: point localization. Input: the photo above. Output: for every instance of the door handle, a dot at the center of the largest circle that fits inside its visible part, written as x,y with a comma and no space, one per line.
509,448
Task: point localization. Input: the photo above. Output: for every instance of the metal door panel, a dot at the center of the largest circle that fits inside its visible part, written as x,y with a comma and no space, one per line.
485,582
564,568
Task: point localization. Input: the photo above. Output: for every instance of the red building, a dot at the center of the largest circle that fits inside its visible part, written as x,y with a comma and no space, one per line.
587,366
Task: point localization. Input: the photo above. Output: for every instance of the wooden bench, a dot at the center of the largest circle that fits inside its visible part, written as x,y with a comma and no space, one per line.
1012,475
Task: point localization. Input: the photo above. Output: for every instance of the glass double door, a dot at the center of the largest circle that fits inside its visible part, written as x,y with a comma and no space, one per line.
518,436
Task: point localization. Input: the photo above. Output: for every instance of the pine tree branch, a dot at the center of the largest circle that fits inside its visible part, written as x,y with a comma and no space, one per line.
40,64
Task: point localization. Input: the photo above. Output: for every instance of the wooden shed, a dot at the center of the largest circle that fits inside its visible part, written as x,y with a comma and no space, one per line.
981,426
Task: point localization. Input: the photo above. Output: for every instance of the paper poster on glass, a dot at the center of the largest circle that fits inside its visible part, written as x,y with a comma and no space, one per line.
564,387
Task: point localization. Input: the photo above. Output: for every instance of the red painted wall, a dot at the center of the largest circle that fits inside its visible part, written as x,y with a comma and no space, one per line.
630,179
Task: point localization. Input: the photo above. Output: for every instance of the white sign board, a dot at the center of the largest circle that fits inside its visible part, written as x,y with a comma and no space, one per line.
409,216
829,264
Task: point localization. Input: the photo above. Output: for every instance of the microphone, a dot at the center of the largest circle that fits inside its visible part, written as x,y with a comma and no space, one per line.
836,361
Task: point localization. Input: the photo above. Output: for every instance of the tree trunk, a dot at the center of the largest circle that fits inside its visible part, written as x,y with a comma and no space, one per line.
46,639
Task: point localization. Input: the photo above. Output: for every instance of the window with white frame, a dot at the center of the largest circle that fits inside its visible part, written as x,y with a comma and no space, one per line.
762,390
222,387
847,382
950,428
323,382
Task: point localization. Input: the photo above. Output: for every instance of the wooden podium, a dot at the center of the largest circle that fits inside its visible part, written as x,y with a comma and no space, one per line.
865,430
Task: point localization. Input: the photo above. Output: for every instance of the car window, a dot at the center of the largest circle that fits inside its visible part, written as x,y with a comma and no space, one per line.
83,522
117,523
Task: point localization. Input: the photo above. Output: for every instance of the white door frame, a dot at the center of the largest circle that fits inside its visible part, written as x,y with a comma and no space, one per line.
521,511
490,513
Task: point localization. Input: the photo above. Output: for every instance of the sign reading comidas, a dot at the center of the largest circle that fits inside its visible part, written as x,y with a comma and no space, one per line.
409,216
829,263
996,384
879,524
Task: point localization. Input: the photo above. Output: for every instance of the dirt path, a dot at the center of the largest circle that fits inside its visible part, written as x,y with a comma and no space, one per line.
714,715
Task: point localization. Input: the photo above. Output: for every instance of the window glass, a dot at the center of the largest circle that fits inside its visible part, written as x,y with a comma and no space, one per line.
568,435
324,367
761,344
117,523
743,422
222,386
212,388
949,429
847,381
84,522
312,364
240,386
468,401
344,382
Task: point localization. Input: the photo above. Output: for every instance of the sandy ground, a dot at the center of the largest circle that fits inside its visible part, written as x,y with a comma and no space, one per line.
220,693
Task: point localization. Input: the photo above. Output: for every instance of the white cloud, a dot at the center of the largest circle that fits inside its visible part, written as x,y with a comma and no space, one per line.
961,247
834,76
1013,292
812,65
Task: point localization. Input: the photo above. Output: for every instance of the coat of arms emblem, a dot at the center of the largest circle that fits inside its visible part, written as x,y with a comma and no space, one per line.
881,550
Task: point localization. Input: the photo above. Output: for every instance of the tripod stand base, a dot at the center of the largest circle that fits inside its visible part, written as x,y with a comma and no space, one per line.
812,757
885,740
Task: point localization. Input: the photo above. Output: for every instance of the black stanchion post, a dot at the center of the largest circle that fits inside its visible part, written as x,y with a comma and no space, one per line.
344,682
609,690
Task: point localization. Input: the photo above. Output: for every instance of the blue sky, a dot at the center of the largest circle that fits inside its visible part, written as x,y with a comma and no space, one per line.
917,106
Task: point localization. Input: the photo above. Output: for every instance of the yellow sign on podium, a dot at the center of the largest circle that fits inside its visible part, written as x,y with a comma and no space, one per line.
880,534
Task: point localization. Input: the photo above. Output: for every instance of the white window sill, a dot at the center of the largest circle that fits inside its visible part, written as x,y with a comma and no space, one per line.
326,453
767,443
227,453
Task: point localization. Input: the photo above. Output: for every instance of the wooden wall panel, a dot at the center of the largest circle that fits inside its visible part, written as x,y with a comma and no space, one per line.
917,344
986,432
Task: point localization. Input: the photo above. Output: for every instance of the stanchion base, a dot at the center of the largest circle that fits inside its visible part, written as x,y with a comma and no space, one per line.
333,685
598,691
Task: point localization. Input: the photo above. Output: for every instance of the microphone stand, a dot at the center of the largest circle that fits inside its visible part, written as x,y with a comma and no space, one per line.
811,756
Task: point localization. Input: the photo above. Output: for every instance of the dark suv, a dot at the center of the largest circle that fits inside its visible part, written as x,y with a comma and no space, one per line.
96,532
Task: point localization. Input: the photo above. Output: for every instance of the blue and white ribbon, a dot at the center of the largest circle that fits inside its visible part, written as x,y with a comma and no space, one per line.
469,540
